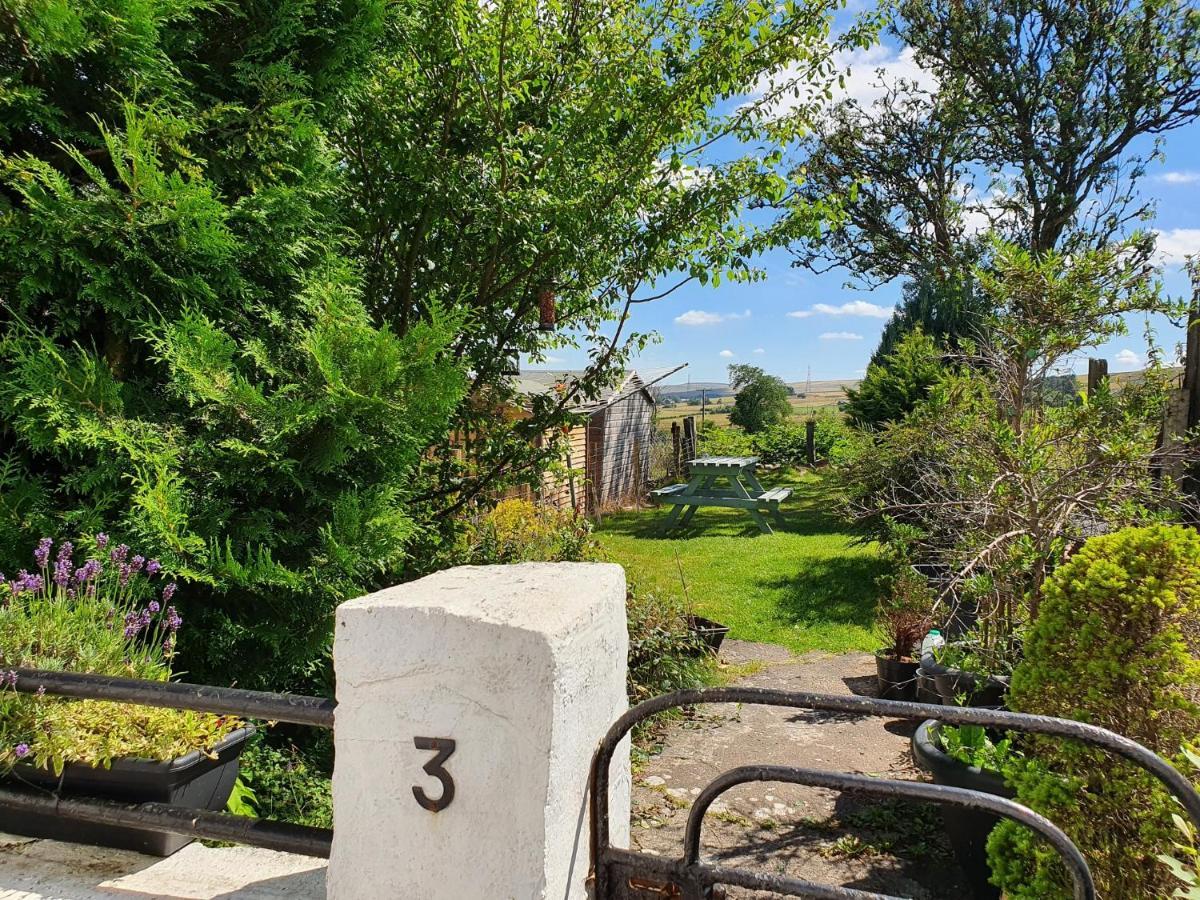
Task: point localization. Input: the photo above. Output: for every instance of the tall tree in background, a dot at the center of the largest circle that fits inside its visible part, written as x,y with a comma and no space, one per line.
761,401
186,359
946,309
507,151
1030,122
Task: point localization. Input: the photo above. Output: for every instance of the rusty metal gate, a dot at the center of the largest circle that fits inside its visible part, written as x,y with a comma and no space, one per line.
619,874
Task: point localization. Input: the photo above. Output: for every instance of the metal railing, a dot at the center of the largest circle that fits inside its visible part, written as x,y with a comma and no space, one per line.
219,826
620,874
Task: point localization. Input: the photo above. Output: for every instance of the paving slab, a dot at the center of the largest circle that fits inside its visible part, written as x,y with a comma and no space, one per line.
891,847
51,870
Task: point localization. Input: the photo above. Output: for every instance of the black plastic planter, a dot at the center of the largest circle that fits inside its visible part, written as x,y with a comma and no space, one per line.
194,780
927,691
967,829
958,688
897,677
710,634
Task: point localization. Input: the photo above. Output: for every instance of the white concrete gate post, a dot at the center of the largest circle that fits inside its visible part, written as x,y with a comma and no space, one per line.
469,706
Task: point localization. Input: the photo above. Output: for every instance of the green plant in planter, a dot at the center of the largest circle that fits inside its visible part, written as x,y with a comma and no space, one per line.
905,610
1117,644
971,744
112,614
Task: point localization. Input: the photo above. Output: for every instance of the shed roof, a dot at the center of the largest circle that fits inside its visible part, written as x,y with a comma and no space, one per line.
542,381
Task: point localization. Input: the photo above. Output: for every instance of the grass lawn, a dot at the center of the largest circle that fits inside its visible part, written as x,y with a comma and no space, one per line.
806,587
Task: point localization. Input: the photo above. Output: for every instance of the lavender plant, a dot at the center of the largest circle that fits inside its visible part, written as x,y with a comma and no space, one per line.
109,613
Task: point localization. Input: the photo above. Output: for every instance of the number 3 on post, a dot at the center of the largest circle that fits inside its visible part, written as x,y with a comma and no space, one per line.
443,748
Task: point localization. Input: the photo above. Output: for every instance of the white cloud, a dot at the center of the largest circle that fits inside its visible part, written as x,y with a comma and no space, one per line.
701,317
869,70
1176,245
866,73
841,336
1180,177
1128,360
759,350
859,308
726,354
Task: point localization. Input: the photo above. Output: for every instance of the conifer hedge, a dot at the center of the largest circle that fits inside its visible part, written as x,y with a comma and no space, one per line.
185,358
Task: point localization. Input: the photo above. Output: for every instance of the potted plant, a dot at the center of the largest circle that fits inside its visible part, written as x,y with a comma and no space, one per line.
968,673
112,614
970,757
904,614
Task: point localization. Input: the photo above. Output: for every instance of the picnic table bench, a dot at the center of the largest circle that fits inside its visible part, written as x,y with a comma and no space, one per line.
741,490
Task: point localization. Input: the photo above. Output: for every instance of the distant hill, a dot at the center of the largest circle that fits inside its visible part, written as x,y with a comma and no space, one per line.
836,386
683,393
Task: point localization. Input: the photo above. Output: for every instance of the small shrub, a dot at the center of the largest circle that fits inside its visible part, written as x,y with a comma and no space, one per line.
781,445
905,610
110,615
664,654
1115,645
713,440
289,783
521,531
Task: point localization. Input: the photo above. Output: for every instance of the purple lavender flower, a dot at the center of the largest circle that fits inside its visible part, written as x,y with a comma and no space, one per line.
62,572
22,750
88,571
137,562
153,606
41,691
9,678
153,567
169,591
119,553
65,550
101,540
173,619
27,582
124,572
41,555
168,645
131,630
144,618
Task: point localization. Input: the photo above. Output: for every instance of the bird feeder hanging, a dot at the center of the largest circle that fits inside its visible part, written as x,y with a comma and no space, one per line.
547,318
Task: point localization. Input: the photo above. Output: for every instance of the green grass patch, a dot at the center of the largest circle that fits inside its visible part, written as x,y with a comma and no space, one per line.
807,587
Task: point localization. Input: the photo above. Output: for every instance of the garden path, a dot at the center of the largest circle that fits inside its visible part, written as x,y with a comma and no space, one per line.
891,847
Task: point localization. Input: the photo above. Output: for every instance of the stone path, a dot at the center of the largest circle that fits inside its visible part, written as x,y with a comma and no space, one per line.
886,846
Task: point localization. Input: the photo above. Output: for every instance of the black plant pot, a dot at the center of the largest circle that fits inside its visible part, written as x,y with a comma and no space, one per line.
897,677
953,685
927,691
968,829
194,781
710,634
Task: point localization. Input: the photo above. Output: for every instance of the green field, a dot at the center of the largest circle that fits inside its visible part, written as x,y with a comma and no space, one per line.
801,407
806,587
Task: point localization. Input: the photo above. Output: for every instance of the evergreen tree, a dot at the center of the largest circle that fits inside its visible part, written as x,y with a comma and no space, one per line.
895,385
945,309
186,361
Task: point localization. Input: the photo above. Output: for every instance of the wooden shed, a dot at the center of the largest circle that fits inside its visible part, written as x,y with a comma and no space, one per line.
607,459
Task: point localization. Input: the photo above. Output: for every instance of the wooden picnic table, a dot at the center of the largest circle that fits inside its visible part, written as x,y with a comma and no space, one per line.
741,490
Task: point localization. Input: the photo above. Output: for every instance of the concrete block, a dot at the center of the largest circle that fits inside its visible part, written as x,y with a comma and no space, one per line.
523,669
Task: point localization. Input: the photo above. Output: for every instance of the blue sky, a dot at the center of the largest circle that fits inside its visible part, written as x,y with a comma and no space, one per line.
795,320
